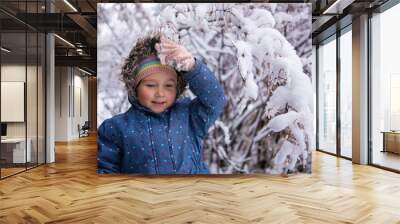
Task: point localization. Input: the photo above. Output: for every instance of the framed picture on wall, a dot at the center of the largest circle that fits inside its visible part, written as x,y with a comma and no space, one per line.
12,101
204,88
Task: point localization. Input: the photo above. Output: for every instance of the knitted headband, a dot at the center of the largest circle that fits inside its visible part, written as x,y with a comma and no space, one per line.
151,65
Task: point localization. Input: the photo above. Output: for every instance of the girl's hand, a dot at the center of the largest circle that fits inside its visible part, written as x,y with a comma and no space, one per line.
174,55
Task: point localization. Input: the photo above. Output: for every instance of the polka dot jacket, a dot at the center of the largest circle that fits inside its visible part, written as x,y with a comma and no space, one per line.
140,141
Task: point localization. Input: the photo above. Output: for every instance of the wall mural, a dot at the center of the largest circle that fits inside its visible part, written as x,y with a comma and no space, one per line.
237,100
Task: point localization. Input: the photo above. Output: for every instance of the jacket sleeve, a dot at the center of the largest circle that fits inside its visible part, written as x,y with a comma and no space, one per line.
108,153
209,101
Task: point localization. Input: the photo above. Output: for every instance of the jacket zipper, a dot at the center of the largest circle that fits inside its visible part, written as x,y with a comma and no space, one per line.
171,152
152,145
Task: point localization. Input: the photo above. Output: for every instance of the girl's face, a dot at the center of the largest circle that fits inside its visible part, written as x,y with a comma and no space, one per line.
157,92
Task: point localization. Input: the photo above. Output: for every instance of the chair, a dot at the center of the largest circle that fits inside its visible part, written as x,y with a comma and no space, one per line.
84,130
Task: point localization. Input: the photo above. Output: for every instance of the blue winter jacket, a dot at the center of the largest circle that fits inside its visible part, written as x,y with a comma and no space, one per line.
141,141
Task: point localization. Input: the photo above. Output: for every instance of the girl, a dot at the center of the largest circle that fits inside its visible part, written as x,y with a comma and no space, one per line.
161,134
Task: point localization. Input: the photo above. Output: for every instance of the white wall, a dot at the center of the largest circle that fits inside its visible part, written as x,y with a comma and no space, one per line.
13,73
50,95
79,110
71,94
61,103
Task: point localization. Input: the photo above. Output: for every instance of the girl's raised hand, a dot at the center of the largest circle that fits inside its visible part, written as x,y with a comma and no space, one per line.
174,55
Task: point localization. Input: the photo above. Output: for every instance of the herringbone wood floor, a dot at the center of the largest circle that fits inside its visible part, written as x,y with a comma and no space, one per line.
70,191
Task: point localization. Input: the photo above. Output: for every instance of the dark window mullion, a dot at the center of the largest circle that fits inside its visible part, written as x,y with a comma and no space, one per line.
37,90
369,96
26,87
44,70
338,73
317,96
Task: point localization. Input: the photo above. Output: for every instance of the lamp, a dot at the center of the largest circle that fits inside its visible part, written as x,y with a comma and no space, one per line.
70,5
84,71
5,50
337,7
65,41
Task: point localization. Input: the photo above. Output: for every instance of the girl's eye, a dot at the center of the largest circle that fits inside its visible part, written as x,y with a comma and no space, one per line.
170,86
150,85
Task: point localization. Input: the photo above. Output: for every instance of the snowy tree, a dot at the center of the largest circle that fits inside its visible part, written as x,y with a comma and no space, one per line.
294,22
254,51
115,39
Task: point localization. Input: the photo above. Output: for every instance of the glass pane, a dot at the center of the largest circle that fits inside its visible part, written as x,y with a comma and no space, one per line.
314,84
23,79
386,89
41,98
31,101
13,87
346,94
327,97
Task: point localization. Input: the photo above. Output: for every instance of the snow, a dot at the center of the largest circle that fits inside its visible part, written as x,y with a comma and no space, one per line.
251,88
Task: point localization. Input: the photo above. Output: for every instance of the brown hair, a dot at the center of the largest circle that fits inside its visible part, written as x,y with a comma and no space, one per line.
144,46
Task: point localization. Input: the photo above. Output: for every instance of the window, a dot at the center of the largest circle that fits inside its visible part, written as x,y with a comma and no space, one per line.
385,88
346,94
22,65
327,96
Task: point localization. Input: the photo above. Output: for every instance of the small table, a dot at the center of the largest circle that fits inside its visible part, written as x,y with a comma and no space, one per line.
16,147
391,141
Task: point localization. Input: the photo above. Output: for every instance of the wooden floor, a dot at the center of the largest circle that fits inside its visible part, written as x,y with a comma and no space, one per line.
70,191
5,172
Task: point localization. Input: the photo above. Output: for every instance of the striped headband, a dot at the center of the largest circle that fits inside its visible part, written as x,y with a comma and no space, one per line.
151,65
